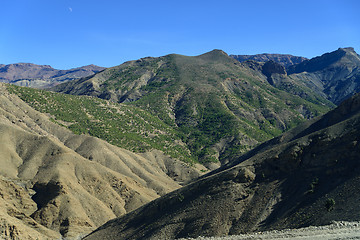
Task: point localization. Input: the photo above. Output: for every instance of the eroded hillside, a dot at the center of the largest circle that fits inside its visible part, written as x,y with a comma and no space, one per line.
55,183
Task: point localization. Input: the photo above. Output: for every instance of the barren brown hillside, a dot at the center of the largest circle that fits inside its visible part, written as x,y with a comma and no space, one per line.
56,183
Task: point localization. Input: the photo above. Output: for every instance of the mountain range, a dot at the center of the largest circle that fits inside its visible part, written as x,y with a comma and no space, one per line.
180,146
42,76
285,60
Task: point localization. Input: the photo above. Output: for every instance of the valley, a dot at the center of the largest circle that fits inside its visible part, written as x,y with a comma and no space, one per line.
180,146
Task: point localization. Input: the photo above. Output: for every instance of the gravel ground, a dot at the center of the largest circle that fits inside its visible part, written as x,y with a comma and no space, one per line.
336,230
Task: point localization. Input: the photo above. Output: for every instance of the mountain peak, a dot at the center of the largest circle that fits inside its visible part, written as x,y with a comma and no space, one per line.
214,54
347,49
218,51
342,56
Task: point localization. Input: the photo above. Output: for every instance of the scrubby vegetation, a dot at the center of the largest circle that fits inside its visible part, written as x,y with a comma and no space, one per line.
122,125
216,106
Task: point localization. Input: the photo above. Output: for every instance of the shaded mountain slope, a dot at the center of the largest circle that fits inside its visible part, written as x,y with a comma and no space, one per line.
285,60
56,183
42,76
219,105
335,75
308,176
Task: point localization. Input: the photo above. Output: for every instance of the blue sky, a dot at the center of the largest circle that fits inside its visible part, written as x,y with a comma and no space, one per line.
73,33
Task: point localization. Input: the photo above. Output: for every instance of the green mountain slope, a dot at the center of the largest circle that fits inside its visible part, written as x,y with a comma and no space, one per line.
219,105
122,125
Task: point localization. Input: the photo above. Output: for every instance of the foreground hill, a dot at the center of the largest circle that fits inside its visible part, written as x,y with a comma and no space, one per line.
54,183
219,105
42,76
307,176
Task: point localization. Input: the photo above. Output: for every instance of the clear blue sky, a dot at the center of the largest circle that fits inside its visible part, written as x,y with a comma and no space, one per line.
72,33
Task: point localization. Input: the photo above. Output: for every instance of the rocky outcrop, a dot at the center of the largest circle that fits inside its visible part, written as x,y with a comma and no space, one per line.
271,70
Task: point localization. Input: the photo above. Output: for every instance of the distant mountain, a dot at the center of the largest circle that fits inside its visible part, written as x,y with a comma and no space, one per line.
218,105
42,76
285,60
307,176
335,75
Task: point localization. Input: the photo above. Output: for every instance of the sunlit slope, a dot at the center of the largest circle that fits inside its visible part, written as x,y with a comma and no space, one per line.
55,182
220,106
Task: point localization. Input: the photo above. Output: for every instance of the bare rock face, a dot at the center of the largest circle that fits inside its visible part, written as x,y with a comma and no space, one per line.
270,68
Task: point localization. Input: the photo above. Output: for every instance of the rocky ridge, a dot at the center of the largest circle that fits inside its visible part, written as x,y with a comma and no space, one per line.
285,60
42,76
335,75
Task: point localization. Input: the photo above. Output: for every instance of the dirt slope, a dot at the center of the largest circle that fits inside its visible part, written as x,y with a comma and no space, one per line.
68,183
308,176
335,231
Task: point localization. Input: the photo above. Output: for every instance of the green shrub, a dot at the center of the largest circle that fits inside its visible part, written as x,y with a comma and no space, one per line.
330,204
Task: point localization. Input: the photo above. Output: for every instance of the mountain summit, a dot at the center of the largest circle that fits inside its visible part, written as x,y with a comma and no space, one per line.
343,57
336,75
218,104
